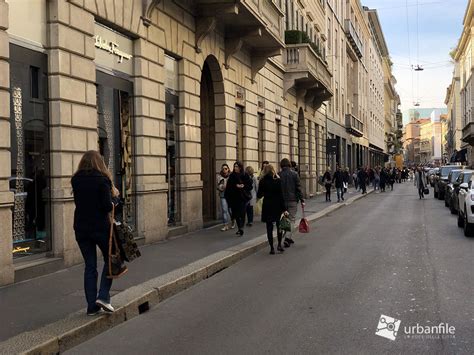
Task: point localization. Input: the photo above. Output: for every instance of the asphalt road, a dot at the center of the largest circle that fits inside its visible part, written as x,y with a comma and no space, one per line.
389,254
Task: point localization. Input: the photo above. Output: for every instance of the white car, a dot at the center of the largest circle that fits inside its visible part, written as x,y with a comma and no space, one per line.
466,207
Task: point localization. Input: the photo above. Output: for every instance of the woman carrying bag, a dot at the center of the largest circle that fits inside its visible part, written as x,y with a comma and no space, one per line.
273,207
94,193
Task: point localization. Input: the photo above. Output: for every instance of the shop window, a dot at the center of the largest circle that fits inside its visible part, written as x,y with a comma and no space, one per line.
277,141
114,111
29,181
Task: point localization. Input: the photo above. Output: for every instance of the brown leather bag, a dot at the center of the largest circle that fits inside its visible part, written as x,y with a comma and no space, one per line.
116,264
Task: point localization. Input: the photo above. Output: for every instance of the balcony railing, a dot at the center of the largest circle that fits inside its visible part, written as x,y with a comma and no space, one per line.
302,58
354,126
354,38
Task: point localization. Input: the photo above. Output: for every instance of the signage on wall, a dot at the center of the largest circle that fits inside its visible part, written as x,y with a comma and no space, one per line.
112,48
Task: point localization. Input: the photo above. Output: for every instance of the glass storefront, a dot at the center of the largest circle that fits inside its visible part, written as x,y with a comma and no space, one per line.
114,122
172,104
29,181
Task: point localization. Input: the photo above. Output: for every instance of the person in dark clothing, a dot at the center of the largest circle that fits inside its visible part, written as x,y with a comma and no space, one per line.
292,194
327,181
270,188
362,177
238,194
338,179
93,196
346,178
421,182
383,179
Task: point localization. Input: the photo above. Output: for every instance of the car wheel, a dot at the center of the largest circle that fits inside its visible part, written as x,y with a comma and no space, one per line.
460,220
468,227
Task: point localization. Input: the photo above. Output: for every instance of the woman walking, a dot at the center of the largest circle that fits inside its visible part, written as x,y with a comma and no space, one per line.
421,183
270,188
93,191
250,206
327,180
238,194
221,186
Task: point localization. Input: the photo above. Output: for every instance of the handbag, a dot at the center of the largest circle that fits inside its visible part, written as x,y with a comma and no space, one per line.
285,223
116,264
304,225
426,191
128,247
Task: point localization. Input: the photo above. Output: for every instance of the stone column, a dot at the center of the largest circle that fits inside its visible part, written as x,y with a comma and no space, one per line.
189,128
6,197
150,141
73,113
303,136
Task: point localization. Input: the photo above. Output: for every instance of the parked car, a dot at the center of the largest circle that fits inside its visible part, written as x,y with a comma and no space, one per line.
431,175
465,176
466,207
441,180
452,177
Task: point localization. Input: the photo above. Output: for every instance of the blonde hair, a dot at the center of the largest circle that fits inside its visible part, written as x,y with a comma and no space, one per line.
269,169
249,170
92,160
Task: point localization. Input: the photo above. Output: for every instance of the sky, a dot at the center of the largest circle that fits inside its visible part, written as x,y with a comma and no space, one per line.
425,39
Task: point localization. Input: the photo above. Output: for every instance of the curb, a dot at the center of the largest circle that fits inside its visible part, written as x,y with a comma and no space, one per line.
77,328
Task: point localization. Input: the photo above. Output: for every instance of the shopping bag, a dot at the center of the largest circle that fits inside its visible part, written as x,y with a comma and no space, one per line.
426,191
304,225
285,223
258,207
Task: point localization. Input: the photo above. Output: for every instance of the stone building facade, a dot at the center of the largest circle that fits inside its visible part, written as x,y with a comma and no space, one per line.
168,91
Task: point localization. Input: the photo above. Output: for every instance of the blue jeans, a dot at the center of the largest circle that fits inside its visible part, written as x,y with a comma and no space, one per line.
87,244
340,193
225,211
249,210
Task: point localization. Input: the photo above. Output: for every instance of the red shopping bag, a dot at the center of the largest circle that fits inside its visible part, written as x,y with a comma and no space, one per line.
304,225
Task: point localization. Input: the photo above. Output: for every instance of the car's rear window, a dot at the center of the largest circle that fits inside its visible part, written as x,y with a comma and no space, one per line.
445,170
454,175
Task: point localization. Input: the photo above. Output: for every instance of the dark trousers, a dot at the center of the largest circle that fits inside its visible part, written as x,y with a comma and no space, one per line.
328,192
421,192
238,213
87,244
270,233
363,188
249,210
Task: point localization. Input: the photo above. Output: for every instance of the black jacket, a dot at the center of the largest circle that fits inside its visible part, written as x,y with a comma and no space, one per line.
93,200
291,185
273,203
338,179
233,194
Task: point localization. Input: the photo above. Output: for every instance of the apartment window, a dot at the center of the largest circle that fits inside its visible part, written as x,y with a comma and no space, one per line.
277,140
239,126
335,44
287,15
260,121
329,33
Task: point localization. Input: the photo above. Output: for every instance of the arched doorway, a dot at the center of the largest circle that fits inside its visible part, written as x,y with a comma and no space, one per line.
212,92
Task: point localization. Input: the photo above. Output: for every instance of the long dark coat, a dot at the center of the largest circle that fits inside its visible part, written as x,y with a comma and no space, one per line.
273,202
235,197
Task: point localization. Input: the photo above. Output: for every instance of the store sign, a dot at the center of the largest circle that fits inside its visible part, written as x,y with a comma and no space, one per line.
112,48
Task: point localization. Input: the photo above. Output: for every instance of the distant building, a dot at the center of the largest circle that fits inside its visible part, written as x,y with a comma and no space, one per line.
433,113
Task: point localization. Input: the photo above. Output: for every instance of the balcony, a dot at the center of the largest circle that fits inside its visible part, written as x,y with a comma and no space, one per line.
256,24
306,71
353,38
468,133
354,126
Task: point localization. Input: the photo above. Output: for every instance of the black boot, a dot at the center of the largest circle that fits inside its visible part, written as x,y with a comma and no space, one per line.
280,237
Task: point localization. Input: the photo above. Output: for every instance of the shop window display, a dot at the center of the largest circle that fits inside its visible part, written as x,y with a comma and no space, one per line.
29,179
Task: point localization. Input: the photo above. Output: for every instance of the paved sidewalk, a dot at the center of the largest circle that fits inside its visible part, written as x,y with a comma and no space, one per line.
34,303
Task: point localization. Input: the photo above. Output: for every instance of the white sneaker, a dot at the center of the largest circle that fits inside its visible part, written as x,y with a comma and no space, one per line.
233,225
225,228
107,307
